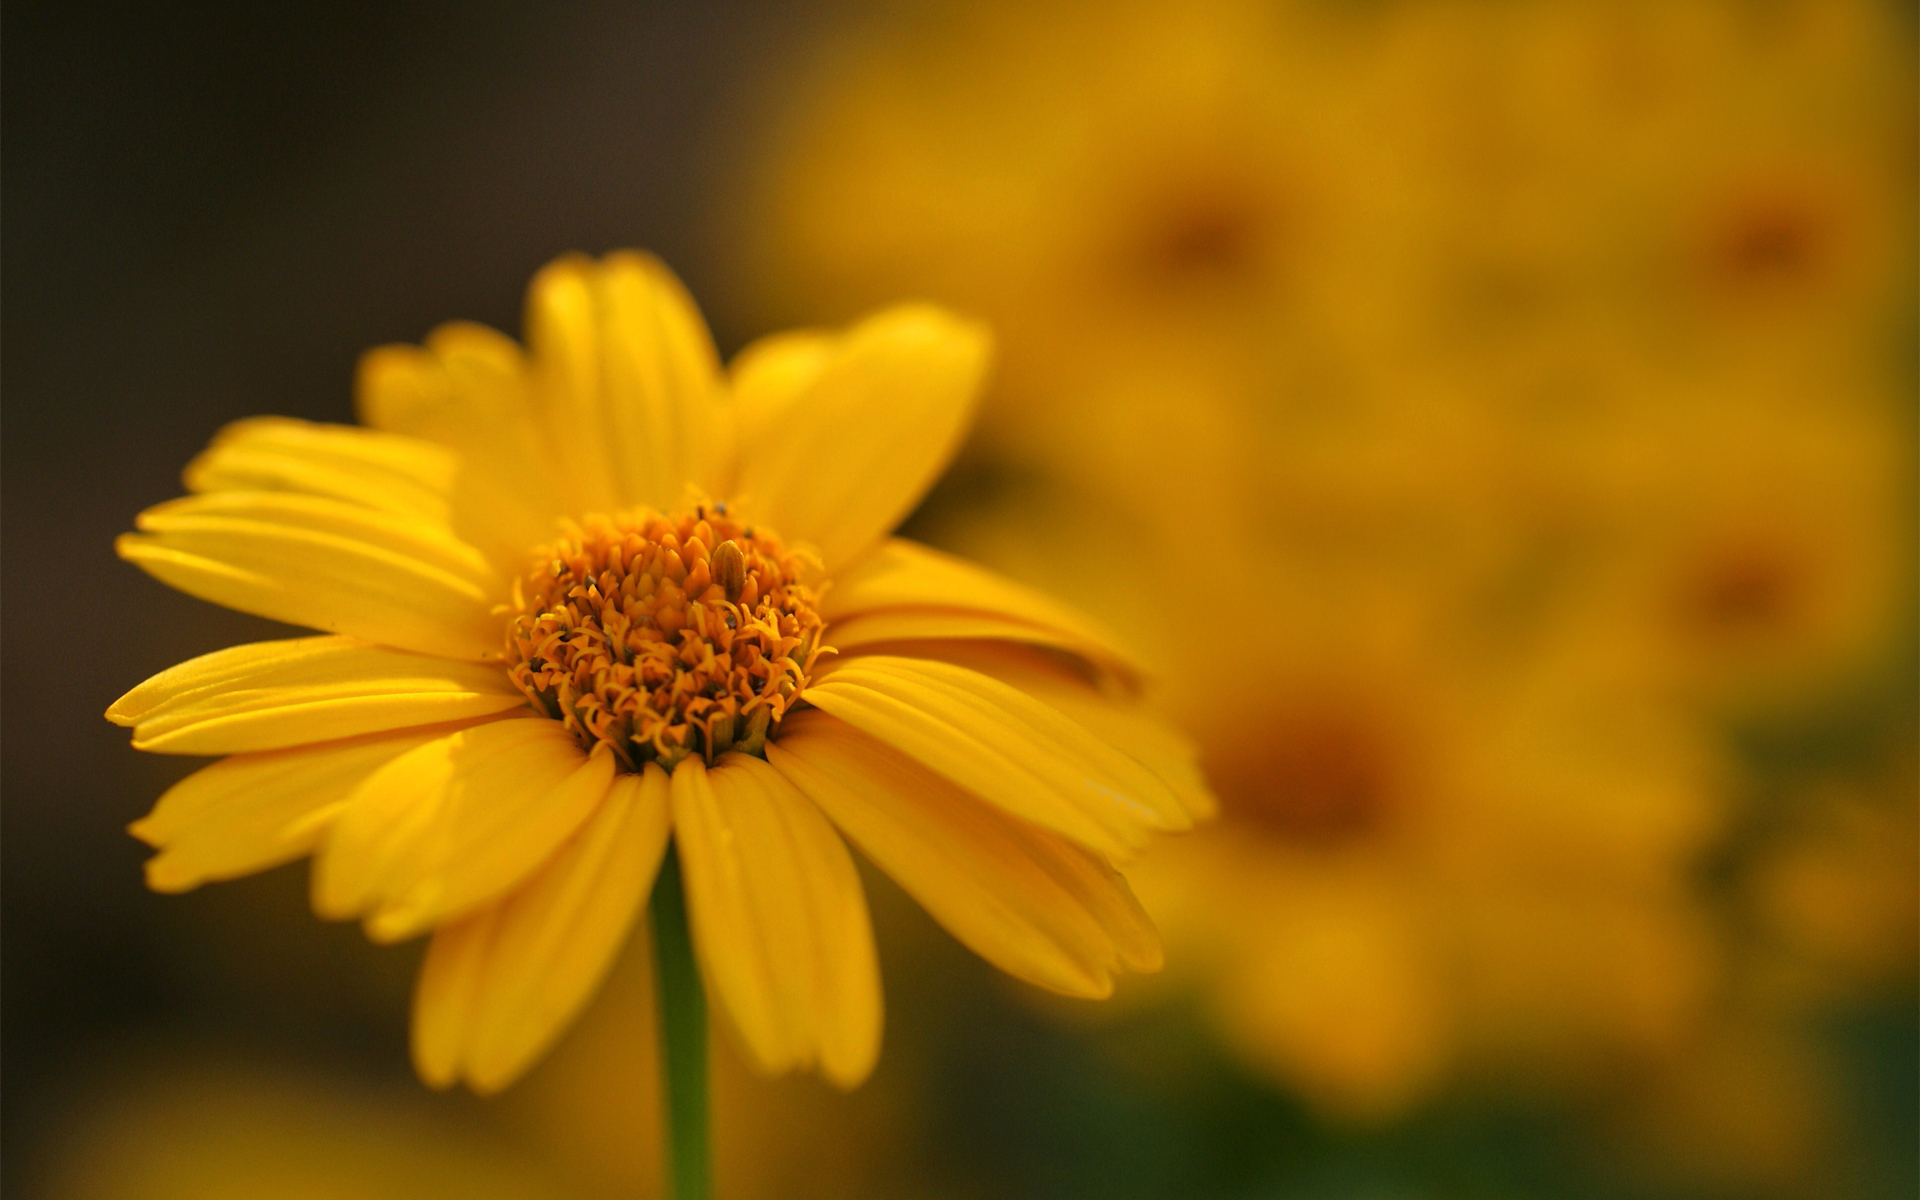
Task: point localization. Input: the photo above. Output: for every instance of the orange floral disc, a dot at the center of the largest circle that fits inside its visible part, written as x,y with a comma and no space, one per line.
665,635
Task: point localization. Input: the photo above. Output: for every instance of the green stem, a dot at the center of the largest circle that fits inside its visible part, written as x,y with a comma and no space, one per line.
683,1036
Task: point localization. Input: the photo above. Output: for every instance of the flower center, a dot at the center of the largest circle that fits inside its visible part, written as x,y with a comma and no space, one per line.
665,635
1320,776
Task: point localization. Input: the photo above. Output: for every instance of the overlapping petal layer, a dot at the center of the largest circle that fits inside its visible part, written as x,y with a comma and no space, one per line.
471,389
498,986
1031,902
271,695
253,811
329,564
904,591
397,751
628,381
1120,720
362,466
454,823
779,919
1005,747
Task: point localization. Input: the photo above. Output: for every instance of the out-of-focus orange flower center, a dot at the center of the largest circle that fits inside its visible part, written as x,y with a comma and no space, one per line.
1752,596
1203,237
1776,244
664,636
1313,778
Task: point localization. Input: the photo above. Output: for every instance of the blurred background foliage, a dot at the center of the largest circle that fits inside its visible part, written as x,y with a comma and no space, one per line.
1495,419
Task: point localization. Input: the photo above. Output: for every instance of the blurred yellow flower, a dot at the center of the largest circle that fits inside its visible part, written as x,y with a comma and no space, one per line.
1139,186
562,628
1760,550
1839,894
1759,1102
207,1122
1538,373
1436,859
1749,1108
1281,200
1714,178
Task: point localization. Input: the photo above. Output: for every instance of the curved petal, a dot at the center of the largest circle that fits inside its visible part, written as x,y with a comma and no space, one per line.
842,462
324,563
270,695
253,811
464,376
1028,901
779,919
454,823
498,986
628,379
1003,746
772,372
395,474
1120,720
903,590
897,629
470,388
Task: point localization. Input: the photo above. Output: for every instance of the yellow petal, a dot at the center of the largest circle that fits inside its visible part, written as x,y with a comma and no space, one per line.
902,590
465,371
841,463
628,379
499,986
362,466
1117,718
327,564
253,811
900,629
455,823
1029,901
1004,746
1140,735
470,388
778,918
270,695
445,994
771,373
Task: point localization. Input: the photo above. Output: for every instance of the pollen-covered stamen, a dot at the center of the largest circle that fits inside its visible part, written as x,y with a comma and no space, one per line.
665,636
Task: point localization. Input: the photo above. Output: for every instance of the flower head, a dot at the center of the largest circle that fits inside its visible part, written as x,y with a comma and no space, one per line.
661,638
587,595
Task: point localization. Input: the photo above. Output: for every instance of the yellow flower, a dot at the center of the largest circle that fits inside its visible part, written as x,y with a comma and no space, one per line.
1827,893
1179,209
1438,871
1713,179
1530,365
1445,852
1749,540
1190,191
205,1121
1838,895
590,594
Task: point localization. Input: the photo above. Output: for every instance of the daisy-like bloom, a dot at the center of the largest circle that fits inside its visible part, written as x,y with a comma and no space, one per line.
591,594
1458,843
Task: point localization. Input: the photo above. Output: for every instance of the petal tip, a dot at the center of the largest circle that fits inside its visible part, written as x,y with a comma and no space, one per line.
163,875
850,1076
435,1074
391,926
